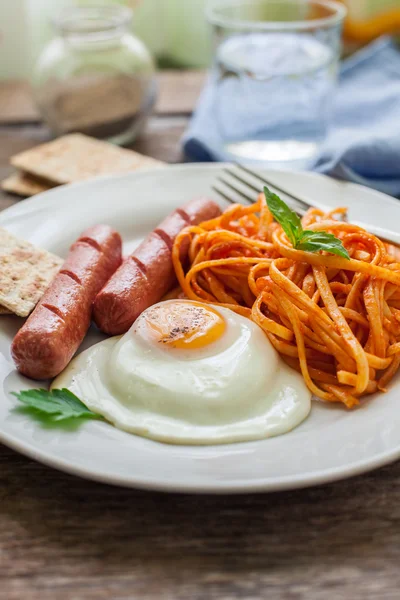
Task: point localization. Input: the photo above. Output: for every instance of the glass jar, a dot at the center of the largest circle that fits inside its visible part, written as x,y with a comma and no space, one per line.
95,77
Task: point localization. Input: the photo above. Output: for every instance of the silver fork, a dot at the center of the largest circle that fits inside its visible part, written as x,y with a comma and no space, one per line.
245,184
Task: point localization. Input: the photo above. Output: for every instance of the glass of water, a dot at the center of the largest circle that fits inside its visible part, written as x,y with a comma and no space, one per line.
275,69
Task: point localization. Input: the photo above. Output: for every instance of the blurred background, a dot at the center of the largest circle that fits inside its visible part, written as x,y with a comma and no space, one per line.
175,31
288,88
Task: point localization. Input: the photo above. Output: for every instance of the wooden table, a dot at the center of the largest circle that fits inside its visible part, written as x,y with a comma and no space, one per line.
65,538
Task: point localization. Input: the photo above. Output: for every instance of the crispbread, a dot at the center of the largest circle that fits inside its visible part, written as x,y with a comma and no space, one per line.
24,184
5,311
76,157
25,273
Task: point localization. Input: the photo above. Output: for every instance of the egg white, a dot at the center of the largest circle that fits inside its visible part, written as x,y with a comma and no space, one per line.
235,389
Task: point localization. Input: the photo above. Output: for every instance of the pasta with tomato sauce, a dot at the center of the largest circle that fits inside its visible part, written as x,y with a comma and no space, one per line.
335,320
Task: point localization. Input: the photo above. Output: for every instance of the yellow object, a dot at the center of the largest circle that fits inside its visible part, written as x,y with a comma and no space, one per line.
183,324
380,20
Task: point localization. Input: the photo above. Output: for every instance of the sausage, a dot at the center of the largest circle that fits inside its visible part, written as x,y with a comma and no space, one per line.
51,335
147,274
171,226
200,209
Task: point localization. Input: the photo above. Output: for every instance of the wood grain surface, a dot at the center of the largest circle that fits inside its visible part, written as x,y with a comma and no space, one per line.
64,538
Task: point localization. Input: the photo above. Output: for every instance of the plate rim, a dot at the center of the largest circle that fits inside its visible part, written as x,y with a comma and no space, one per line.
46,195
270,484
257,485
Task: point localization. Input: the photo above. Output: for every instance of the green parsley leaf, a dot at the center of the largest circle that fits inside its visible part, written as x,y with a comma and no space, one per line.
285,216
57,404
309,241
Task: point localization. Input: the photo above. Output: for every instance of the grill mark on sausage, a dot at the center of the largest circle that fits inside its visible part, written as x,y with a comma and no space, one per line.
164,237
184,215
71,275
139,263
90,242
54,310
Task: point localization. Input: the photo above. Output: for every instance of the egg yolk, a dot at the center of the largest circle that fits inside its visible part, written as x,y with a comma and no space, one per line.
184,324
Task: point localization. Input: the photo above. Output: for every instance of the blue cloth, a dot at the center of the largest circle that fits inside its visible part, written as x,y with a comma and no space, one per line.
363,145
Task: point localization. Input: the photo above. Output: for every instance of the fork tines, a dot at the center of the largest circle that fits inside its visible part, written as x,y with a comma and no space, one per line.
247,184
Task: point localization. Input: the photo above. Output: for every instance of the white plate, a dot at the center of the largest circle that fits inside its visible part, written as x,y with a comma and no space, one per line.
332,443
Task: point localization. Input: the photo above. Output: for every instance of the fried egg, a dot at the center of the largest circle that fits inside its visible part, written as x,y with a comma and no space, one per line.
190,373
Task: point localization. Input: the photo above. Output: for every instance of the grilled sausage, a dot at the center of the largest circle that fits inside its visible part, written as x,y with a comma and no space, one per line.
50,337
148,273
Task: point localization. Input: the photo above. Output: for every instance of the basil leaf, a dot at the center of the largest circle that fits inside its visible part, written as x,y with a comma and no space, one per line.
314,241
285,216
309,241
58,404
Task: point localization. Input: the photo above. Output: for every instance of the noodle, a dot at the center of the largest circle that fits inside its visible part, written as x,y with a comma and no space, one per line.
337,321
